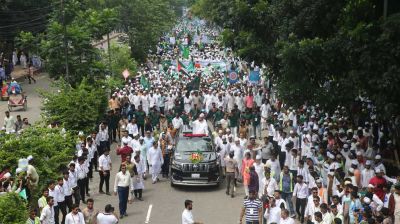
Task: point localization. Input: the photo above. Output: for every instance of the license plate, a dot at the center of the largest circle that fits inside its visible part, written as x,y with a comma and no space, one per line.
195,175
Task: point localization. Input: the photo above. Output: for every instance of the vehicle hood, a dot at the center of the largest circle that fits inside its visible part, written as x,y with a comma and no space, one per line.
185,157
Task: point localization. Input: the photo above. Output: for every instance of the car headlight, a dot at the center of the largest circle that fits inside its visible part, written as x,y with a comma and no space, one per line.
176,165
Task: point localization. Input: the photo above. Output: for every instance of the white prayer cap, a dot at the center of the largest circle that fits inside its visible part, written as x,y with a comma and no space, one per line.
351,170
137,150
359,128
345,146
291,132
141,138
18,170
220,132
331,173
367,200
371,186
358,153
258,157
378,157
389,142
80,133
237,139
7,175
354,162
227,130
30,157
378,170
368,163
350,131
201,115
230,136
331,156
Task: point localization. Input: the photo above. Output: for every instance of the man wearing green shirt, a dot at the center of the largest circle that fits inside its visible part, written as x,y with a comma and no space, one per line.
154,116
234,120
218,115
140,115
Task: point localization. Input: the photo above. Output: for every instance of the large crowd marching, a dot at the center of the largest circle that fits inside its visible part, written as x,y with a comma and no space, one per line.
301,163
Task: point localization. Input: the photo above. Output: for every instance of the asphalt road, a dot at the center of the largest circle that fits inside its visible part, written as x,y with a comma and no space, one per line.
210,204
34,100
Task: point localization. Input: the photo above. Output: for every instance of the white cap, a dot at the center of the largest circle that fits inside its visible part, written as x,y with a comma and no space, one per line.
389,142
358,153
367,200
354,162
319,181
18,170
228,130
368,163
220,132
258,157
345,146
80,133
7,175
237,139
371,186
29,158
378,170
351,170
378,157
331,156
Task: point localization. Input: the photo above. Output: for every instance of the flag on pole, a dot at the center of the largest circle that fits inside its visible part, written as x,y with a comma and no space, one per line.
182,68
254,76
233,77
144,82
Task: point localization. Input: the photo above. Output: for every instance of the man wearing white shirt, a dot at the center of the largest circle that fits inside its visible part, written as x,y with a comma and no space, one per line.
53,193
200,125
292,161
74,217
378,204
177,122
187,216
122,184
366,174
156,160
47,215
108,217
67,186
285,219
60,198
73,178
105,166
132,128
80,170
273,213
300,192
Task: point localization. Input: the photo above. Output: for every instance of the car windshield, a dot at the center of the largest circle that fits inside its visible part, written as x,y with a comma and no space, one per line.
193,144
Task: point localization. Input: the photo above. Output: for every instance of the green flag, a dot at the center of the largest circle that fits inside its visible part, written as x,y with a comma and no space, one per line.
22,194
186,52
190,67
144,82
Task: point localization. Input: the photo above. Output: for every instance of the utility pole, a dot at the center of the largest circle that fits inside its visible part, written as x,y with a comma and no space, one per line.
385,6
109,52
65,41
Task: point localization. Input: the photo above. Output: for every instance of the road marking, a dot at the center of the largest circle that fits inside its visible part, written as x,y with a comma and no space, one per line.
148,214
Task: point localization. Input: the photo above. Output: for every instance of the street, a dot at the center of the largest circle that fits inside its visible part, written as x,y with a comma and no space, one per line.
211,204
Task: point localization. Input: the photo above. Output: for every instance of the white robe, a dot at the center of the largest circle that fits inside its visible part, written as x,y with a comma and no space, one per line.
138,180
155,158
200,127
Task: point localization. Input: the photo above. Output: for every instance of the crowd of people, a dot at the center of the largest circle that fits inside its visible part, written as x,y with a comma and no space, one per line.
304,163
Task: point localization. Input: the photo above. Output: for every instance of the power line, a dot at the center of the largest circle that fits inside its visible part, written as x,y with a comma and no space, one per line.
31,10
22,23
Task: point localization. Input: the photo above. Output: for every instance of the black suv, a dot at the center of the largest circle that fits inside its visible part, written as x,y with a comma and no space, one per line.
183,171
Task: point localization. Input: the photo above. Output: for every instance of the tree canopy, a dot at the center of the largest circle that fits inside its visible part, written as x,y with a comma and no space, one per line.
319,51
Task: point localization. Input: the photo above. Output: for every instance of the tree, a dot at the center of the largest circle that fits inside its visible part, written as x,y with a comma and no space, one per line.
79,108
120,60
12,209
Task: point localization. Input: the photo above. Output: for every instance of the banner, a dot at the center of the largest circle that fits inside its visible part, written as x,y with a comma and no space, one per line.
254,77
233,77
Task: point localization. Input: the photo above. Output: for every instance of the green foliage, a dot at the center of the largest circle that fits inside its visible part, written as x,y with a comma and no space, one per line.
318,51
78,108
83,26
145,21
120,60
12,209
50,148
